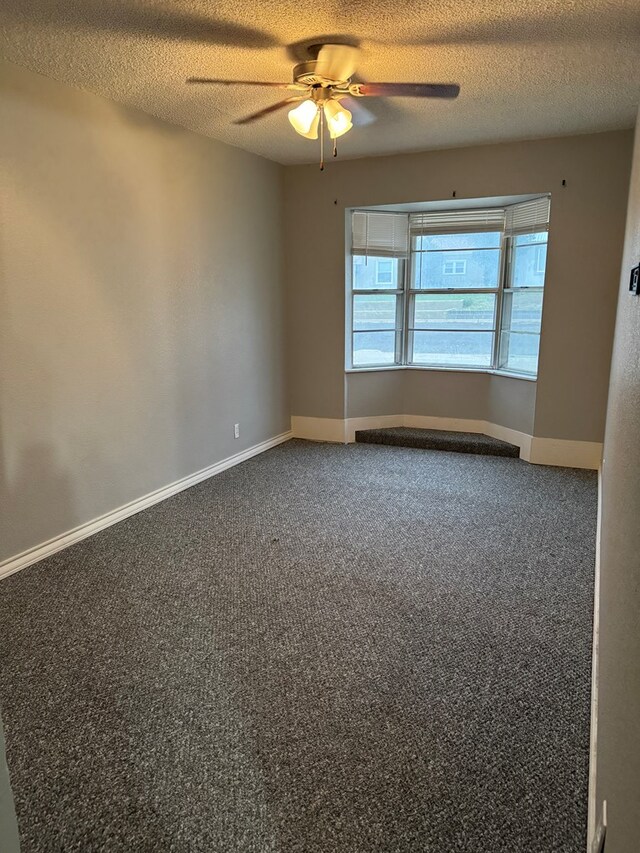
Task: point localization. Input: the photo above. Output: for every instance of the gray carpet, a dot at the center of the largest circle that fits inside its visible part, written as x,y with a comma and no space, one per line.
327,649
439,439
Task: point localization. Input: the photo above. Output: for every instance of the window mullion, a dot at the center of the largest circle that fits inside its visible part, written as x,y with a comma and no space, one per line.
503,281
448,291
404,356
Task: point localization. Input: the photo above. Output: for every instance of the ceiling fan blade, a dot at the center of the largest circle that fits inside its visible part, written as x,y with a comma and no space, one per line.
272,108
337,61
360,114
267,83
148,20
409,90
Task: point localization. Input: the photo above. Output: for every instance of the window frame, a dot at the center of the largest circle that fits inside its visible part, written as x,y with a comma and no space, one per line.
508,288
400,295
412,292
405,302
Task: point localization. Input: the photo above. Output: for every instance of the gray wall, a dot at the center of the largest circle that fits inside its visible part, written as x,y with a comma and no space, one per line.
587,227
437,394
141,305
618,756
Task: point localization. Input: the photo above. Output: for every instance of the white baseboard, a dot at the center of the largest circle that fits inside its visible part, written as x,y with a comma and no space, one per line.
568,454
540,451
319,429
39,552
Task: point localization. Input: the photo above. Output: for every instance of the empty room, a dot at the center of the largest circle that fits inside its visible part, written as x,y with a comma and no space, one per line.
319,427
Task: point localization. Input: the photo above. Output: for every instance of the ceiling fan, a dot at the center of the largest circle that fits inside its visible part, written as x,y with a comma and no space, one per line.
320,87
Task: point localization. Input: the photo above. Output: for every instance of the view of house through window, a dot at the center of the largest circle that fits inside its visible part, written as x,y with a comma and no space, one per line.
452,289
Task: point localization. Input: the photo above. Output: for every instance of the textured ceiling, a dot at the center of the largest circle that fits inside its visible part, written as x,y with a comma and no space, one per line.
527,69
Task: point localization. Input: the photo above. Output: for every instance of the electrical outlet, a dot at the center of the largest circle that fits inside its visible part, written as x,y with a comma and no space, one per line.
236,430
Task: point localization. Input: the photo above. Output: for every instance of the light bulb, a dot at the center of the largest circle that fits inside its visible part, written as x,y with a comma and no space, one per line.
305,118
338,118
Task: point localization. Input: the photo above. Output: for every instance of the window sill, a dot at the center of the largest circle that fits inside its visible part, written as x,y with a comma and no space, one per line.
508,374
379,369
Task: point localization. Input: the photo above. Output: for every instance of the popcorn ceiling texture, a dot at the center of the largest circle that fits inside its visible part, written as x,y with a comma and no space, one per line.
543,68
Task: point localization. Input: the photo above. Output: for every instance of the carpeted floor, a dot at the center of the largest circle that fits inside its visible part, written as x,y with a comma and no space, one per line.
327,649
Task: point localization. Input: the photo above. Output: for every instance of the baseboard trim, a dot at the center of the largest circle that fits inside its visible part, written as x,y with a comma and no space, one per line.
567,454
539,451
319,429
46,549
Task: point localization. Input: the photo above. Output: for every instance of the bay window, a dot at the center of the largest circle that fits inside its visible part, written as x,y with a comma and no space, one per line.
448,289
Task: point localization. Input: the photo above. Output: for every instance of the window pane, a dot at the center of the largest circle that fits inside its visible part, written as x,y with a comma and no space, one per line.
529,260
519,352
371,348
457,269
453,349
536,237
522,311
374,311
483,240
376,273
454,311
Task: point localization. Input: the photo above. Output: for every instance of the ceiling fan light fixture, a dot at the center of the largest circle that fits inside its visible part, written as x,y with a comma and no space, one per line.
319,85
338,118
305,119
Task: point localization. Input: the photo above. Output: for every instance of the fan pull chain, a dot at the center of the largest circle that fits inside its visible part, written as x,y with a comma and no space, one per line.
321,140
335,146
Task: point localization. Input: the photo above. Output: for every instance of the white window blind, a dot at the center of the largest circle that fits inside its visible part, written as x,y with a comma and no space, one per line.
528,216
379,234
452,221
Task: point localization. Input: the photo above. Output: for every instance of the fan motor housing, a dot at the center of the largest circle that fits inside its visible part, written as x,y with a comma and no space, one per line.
305,72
